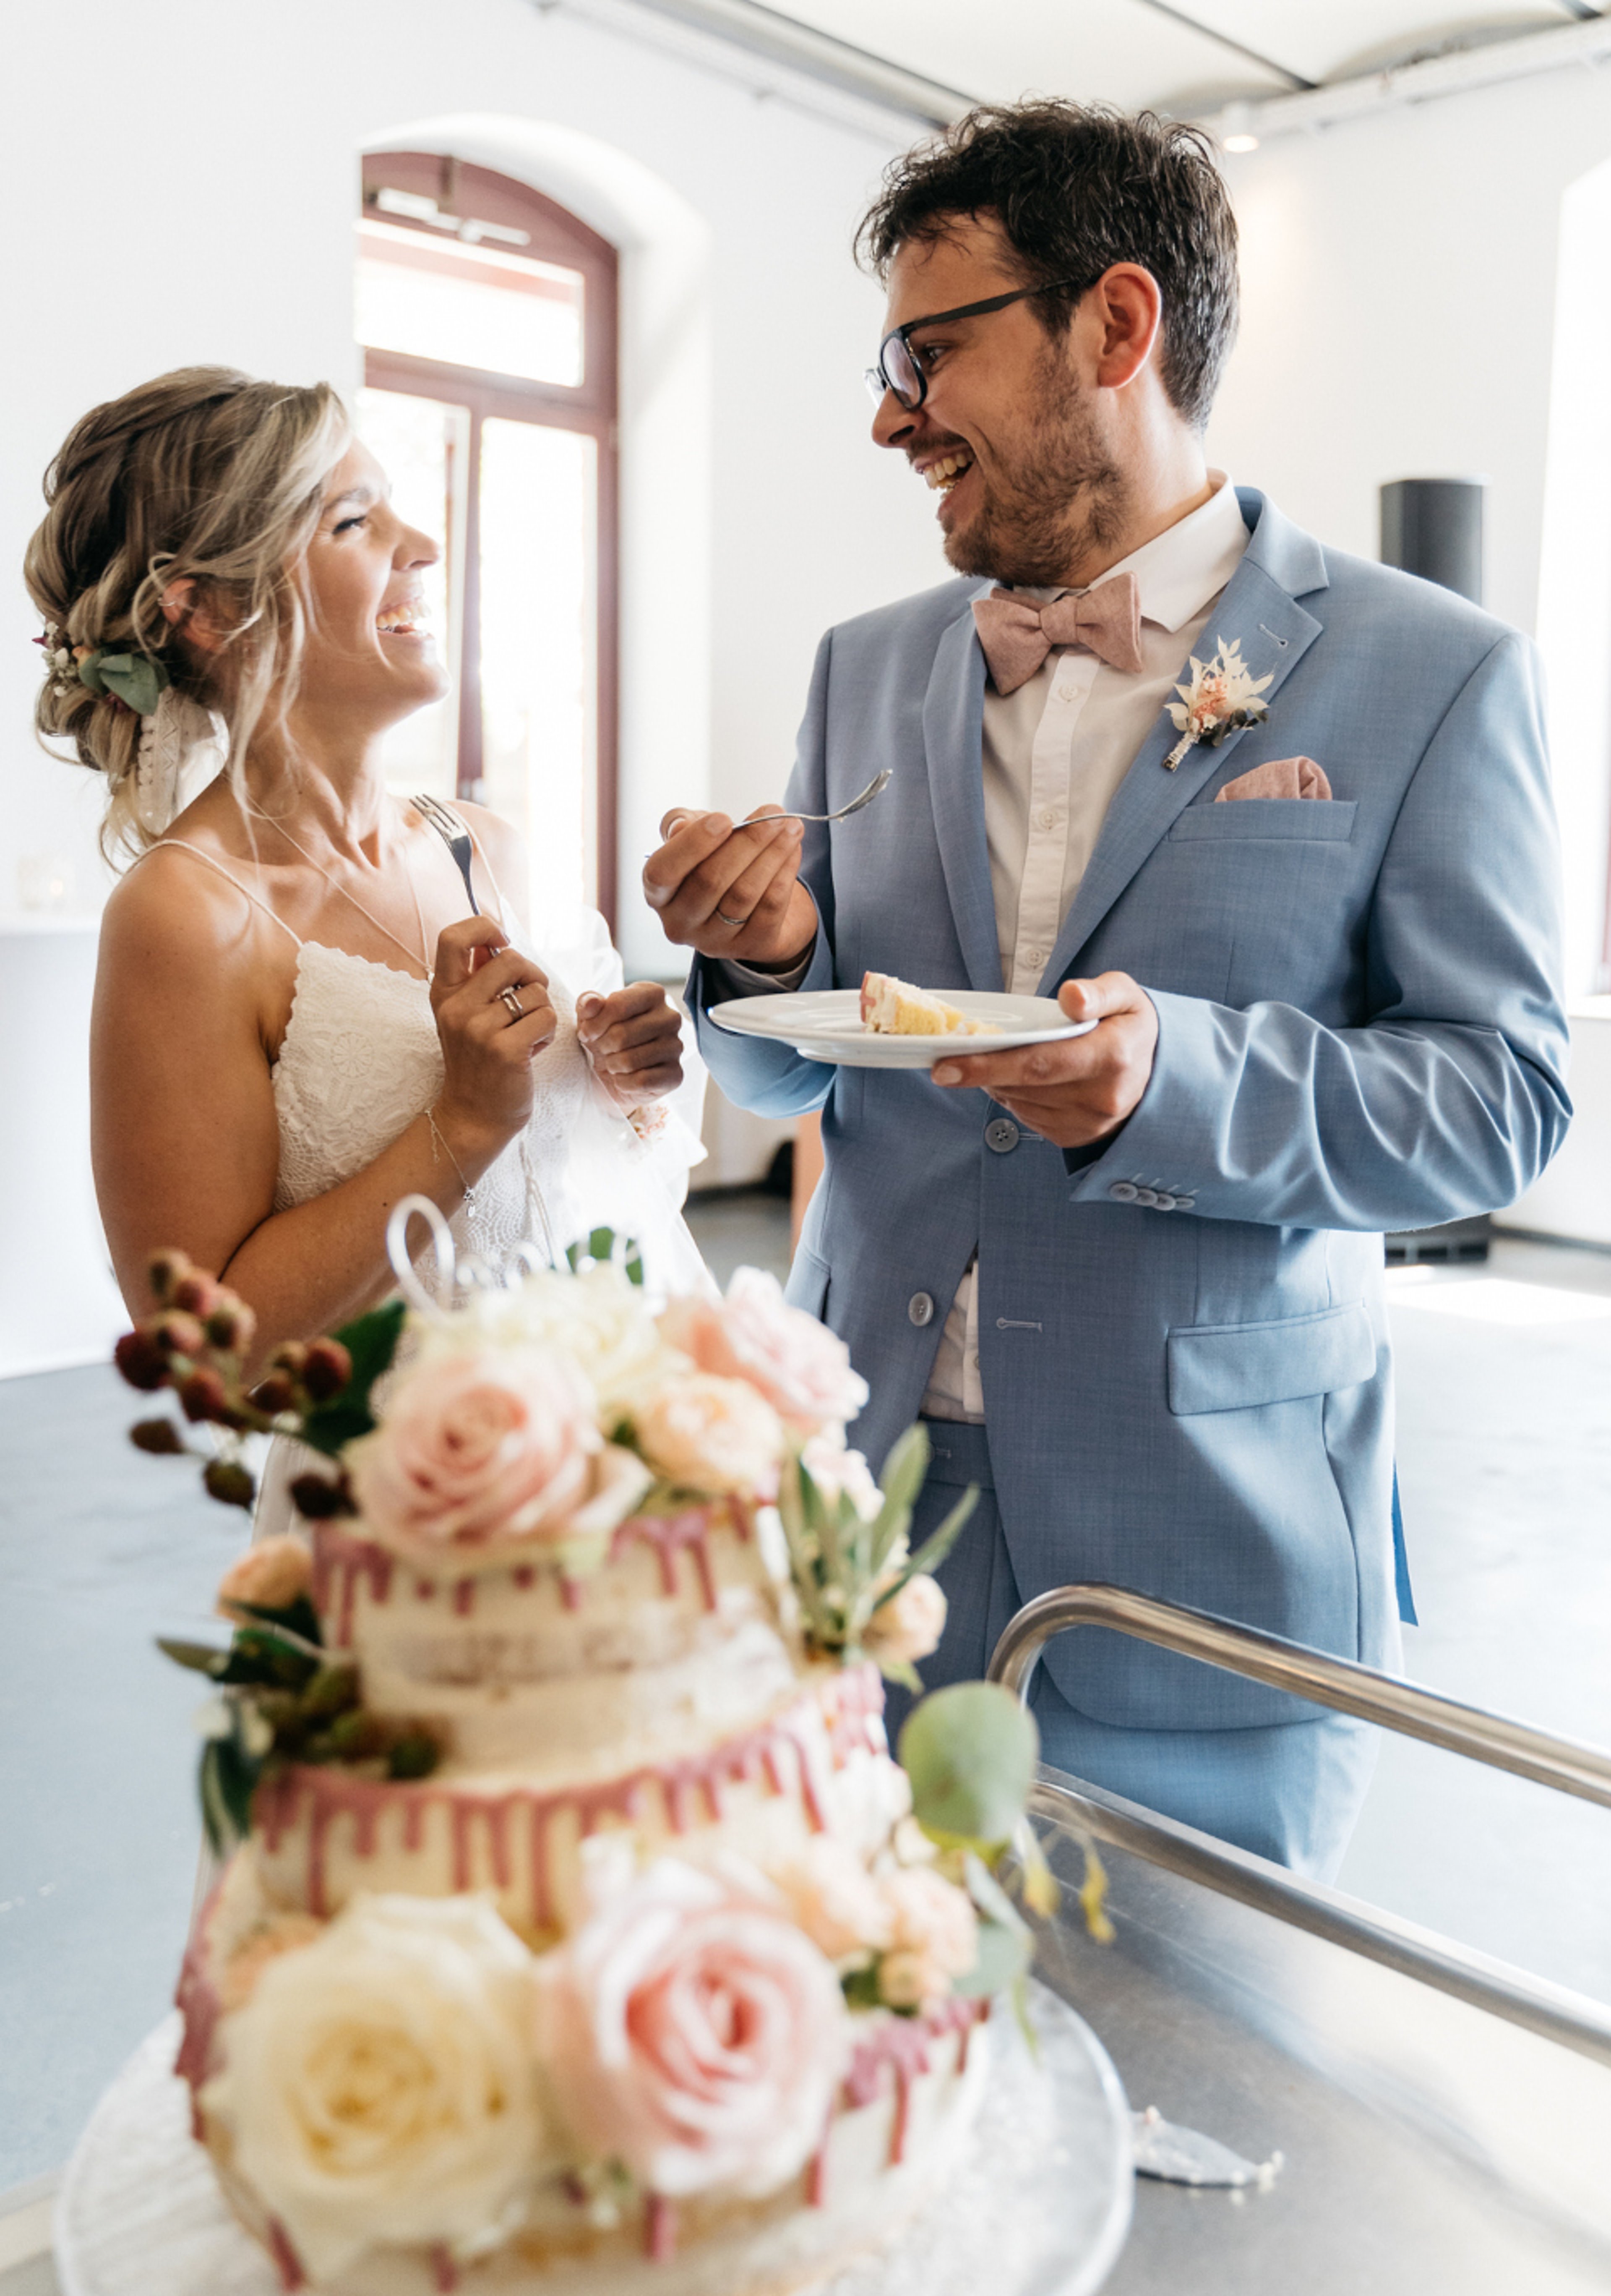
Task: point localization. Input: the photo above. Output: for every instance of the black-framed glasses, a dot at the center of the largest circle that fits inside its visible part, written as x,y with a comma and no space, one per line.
899,372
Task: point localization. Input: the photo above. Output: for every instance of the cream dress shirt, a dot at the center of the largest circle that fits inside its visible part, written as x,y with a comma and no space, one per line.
1055,751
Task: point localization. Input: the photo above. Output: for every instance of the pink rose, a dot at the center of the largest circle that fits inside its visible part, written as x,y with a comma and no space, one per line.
799,1366
908,1626
271,1574
934,1938
485,1449
697,2033
703,1433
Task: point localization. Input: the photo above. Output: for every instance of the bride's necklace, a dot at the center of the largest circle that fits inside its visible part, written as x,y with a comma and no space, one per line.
336,886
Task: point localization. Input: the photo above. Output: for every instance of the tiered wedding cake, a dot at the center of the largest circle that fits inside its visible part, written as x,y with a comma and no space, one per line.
576,1932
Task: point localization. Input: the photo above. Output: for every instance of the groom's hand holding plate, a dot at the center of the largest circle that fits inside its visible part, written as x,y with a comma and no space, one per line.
732,890
1082,1088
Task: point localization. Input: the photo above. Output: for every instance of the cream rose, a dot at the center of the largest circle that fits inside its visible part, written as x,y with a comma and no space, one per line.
379,2084
699,2033
908,1626
838,1474
785,1354
271,1574
599,1320
934,1937
702,1433
482,1450
835,1899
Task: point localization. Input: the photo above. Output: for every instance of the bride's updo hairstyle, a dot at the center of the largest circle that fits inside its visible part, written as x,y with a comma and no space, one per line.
203,475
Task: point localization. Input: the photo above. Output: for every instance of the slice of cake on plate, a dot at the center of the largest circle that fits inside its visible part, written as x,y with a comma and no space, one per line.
895,1008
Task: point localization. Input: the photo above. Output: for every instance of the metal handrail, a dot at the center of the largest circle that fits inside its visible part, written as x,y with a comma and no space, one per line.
1566,1764
1570,2019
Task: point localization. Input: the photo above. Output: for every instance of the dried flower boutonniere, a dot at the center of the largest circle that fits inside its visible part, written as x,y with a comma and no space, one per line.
1221,695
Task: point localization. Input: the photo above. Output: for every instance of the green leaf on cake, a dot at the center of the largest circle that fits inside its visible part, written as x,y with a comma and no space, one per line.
970,1752
1003,1956
371,1342
228,1779
298,1619
200,1658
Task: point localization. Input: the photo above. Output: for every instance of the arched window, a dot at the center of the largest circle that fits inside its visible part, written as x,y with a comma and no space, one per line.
489,320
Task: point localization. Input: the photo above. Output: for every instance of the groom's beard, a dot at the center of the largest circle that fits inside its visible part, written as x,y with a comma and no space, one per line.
1058,501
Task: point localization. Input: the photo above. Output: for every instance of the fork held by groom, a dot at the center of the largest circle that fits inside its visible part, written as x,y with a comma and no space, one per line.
1134,1280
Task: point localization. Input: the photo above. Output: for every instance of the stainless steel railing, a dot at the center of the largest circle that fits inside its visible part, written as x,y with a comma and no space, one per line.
1496,1739
1571,2019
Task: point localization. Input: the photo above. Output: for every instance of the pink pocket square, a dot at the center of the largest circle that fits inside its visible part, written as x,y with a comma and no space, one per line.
1281,778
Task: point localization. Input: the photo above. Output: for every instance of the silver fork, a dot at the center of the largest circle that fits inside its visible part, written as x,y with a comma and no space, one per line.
875,788
455,836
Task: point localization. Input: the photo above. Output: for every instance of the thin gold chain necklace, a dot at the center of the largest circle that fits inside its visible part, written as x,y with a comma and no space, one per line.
423,958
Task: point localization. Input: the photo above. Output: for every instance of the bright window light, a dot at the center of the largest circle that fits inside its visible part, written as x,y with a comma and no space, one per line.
1492,1299
468,307
1242,142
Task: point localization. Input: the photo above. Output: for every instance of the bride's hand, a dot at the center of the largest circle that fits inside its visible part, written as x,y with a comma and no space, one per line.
634,1041
493,1015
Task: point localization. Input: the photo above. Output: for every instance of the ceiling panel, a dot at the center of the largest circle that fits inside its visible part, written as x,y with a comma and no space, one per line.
1139,52
1116,50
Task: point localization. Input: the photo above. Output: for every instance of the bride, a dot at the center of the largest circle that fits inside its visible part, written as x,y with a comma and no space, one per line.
296,1023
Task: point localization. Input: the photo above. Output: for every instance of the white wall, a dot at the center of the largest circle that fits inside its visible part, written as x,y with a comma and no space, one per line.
1401,321
190,196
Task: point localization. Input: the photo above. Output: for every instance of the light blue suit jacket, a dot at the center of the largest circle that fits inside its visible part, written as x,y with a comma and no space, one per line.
1360,1028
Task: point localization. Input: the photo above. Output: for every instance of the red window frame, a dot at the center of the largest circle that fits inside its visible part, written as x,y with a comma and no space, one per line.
553,236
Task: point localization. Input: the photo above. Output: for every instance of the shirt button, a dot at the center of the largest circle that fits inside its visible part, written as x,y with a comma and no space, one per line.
1047,820
973,1358
1035,956
1001,1135
1123,1192
1068,693
919,1309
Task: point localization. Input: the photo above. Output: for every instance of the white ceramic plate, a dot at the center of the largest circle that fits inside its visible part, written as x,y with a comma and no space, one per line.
825,1024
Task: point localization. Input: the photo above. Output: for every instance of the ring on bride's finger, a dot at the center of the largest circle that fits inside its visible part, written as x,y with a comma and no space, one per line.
734,921
508,996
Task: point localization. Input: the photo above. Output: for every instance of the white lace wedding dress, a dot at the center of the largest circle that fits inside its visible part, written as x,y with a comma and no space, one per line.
360,1060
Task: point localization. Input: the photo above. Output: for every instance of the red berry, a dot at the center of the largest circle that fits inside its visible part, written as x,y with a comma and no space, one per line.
196,1293
327,1370
202,1395
275,1394
141,1360
180,1334
163,1271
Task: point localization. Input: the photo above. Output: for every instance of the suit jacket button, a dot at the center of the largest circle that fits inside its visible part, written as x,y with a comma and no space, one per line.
1123,1192
1001,1135
1148,1196
1185,1203
919,1309
1165,1203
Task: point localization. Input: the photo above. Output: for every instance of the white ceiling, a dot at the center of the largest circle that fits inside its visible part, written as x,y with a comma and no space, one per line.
1187,57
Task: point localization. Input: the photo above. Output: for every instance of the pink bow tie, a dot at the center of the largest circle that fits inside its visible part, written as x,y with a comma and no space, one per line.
1018,635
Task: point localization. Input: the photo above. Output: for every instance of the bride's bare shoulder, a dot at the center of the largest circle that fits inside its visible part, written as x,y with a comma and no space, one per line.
182,910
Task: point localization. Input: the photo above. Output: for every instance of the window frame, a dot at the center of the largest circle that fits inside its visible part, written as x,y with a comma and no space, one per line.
591,406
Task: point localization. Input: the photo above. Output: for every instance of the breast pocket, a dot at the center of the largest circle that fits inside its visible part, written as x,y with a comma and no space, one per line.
1267,820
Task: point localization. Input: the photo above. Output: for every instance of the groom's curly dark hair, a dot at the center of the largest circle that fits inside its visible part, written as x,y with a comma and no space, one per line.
1076,187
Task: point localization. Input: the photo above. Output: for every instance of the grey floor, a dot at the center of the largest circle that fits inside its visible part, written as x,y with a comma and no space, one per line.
1505,1451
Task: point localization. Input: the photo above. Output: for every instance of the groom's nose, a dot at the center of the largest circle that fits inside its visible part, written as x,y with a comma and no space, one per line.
893,424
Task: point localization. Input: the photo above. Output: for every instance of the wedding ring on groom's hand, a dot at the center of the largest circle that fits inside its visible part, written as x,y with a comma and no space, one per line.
734,921
508,996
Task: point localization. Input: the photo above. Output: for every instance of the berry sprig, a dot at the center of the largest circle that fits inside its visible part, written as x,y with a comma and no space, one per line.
197,1344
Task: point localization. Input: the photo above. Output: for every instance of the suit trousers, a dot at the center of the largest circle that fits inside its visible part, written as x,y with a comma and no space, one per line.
1291,1793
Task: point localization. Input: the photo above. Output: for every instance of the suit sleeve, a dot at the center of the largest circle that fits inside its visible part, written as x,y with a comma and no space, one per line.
767,1078
1450,1098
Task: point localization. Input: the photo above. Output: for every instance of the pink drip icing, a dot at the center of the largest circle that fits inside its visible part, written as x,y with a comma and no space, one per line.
816,2173
776,1754
464,1598
199,2006
444,2270
676,1534
660,2229
288,2264
461,1814
424,1588
570,1594
524,1576
903,2114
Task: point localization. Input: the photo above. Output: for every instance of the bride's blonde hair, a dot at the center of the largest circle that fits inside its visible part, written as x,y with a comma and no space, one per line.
203,475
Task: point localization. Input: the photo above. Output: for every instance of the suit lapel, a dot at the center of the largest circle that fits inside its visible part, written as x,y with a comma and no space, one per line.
1275,633
953,716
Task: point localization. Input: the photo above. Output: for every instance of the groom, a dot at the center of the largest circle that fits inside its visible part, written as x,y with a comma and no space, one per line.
1134,1280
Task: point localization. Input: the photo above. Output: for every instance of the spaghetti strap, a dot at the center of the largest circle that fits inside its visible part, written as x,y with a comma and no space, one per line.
181,845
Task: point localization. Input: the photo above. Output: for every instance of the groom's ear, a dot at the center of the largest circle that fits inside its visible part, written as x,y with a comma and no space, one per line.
1124,310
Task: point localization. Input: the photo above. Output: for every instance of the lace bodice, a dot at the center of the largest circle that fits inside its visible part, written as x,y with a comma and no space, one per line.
361,1059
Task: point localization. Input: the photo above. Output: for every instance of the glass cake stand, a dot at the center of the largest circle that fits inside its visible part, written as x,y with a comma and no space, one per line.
1038,2205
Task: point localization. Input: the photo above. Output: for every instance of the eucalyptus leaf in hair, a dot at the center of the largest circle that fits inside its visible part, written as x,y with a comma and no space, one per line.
133,677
